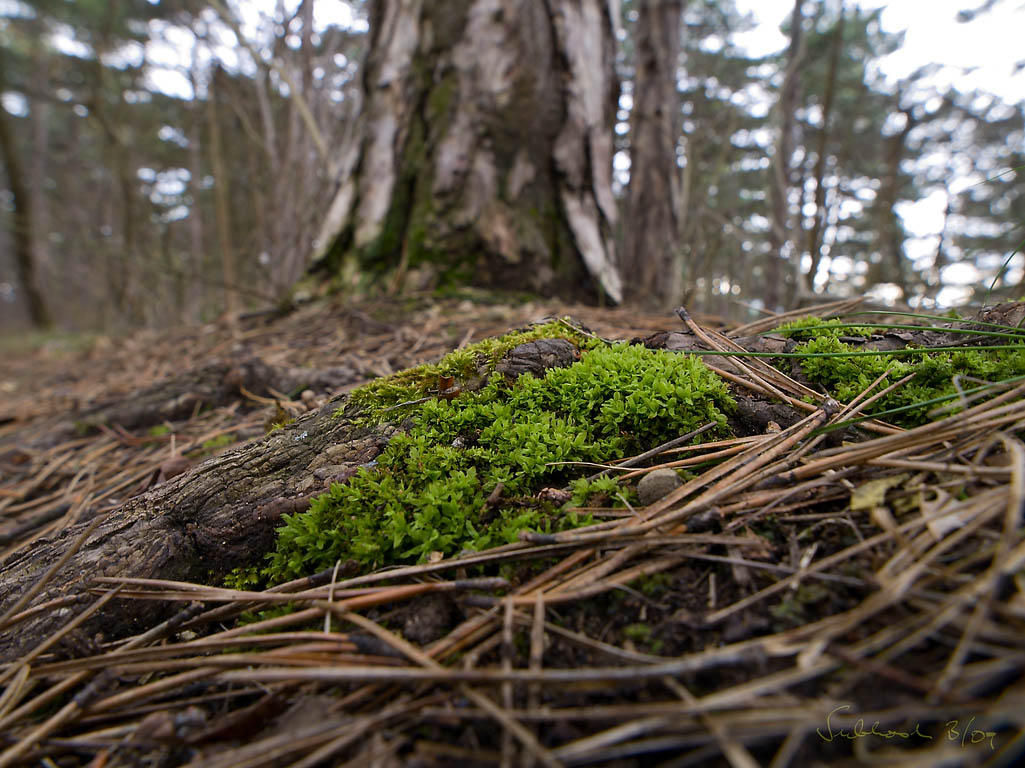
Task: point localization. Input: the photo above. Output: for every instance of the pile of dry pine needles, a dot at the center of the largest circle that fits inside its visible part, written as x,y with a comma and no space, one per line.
890,631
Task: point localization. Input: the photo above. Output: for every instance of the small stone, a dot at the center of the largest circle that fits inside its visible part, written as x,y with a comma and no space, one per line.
656,485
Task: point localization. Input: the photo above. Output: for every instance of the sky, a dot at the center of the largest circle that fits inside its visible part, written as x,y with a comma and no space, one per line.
991,44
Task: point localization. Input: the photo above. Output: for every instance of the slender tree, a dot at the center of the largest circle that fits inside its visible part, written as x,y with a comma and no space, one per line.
221,205
23,229
780,182
722,181
652,256
814,245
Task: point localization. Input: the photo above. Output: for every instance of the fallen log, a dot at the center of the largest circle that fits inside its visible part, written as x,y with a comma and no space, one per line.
217,516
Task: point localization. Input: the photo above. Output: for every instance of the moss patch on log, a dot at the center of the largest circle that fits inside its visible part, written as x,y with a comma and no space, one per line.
464,474
467,367
939,377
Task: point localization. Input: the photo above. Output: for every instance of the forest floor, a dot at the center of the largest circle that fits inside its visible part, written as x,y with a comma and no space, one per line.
798,601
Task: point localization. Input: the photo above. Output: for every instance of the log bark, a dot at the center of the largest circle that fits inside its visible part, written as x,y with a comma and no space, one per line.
215,384
198,526
218,383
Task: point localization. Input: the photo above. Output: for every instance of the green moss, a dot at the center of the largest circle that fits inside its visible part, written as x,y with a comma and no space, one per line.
935,372
654,585
216,443
804,328
430,487
795,608
56,343
601,489
464,365
441,101
637,632
243,579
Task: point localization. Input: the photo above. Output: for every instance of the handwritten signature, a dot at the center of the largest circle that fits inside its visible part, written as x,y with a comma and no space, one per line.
952,730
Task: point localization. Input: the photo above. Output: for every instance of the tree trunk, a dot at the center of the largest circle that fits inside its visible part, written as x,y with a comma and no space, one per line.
779,186
195,302
804,286
651,256
485,152
890,233
222,206
23,224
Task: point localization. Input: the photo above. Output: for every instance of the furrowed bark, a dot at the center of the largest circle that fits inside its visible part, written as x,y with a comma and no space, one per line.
219,515
485,151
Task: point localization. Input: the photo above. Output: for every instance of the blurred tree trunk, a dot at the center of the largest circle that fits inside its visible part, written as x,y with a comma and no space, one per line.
934,275
802,286
651,255
485,153
891,235
107,106
41,114
24,231
779,187
195,300
222,206
294,246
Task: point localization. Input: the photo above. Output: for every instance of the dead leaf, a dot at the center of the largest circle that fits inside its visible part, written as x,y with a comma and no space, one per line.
873,493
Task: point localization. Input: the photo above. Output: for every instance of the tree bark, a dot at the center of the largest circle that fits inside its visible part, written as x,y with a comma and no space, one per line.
222,206
651,256
485,152
192,308
890,234
197,526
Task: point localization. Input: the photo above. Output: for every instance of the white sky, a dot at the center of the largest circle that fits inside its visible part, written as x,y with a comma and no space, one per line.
173,45
991,44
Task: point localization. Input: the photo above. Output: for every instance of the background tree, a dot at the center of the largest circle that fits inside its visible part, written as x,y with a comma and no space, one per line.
652,255
145,176
780,177
725,154
983,139
24,234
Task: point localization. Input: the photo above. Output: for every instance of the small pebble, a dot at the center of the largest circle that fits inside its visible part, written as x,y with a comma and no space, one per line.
656,485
